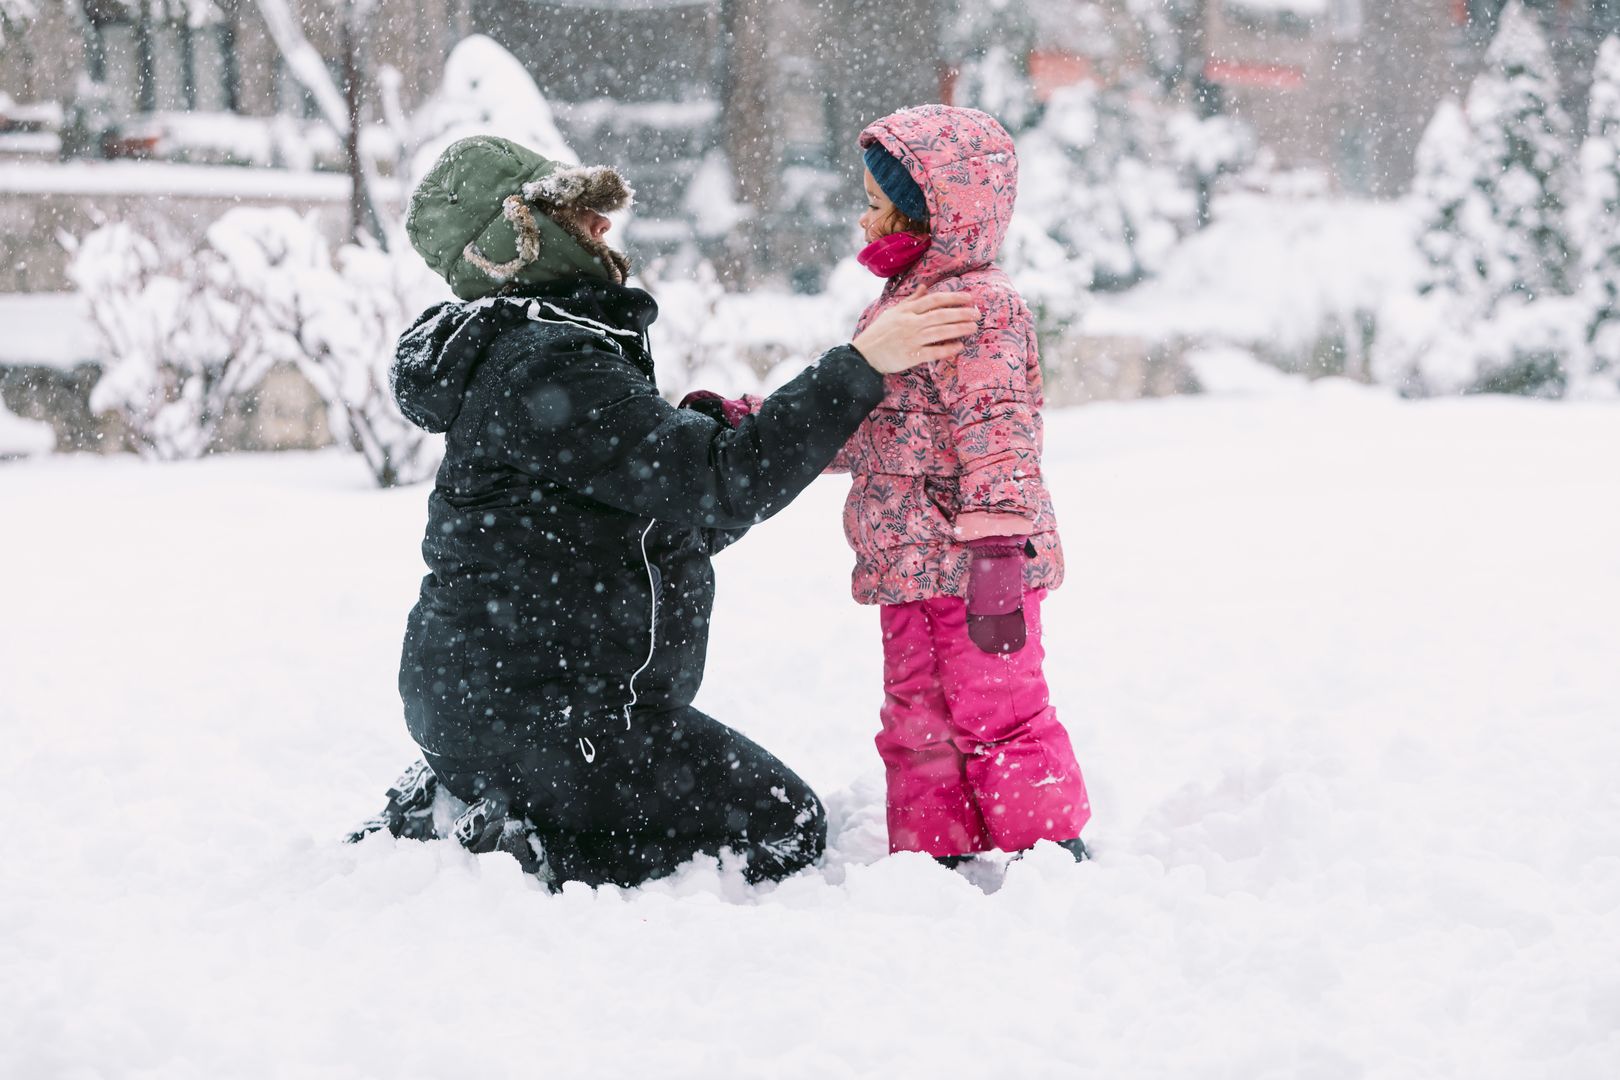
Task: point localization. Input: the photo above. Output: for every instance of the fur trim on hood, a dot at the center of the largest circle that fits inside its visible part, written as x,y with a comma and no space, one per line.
587,187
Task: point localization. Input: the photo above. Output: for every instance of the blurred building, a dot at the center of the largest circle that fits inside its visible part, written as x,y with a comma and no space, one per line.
94,92
1348,86
152,58
736,119
631,84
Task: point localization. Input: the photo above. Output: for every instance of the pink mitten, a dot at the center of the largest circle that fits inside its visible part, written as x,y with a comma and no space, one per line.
995,594
729,411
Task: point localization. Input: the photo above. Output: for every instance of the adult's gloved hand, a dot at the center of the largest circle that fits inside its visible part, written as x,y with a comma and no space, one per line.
728,411
995,593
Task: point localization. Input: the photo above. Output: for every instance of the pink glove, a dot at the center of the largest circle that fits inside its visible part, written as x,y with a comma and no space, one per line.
728,411
995,593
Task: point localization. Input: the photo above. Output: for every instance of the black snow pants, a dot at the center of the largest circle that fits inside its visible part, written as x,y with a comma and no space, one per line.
627,806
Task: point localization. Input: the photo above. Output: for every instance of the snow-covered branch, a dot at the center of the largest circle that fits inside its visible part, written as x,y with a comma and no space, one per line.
305,62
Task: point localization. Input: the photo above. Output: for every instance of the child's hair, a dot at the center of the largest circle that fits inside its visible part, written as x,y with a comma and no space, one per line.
895,221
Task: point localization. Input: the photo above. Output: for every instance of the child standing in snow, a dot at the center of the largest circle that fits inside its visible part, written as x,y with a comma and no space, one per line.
951,523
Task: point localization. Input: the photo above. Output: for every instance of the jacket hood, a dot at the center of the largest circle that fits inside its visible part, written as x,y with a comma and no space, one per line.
435,360
437,357
963,160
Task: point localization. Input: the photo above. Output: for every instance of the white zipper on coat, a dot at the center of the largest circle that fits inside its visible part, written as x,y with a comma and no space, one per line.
652,626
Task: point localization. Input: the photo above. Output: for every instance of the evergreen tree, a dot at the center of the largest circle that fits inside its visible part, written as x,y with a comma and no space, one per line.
1422,344
1494,310
1525,141
1600,212
1446,191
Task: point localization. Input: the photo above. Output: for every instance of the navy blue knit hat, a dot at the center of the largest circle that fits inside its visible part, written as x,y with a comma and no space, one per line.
897,183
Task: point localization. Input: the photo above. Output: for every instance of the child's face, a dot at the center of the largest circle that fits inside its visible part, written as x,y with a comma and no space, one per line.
876,222
595,225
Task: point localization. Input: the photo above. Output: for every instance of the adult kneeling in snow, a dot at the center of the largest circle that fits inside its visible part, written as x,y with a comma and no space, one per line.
551,660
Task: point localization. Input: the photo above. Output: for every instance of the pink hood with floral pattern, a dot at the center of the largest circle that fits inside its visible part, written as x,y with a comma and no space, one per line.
954,451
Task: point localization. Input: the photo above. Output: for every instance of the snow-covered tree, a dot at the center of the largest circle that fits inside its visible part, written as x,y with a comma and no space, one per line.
336,317
1450,204
170,349
990,42
1600,215
1525,143
1111,173
1098,174
486,91
1420,344
1207,148
187,334
1493,308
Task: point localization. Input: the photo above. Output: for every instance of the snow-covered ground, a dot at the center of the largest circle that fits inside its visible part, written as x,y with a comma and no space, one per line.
1342,673
21,437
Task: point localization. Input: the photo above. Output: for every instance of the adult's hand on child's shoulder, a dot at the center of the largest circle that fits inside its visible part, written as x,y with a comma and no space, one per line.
920,329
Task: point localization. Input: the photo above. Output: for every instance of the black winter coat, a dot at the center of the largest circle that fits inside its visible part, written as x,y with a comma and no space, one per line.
571,523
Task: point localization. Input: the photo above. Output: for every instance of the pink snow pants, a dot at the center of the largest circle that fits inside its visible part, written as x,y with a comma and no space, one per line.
974,753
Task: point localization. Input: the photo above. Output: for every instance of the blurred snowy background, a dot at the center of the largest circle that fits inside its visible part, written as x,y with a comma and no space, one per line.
1337,649
201,199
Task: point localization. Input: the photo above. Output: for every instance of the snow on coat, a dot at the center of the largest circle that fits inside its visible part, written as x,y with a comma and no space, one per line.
954,450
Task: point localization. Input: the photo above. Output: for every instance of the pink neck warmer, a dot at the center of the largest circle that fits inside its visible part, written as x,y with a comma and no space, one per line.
894,254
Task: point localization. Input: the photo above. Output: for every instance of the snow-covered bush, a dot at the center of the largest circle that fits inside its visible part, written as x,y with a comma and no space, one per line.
337,317
1100,173
1297,281
1599,217
174,351
1422,341
186,334
1423,348
1114,171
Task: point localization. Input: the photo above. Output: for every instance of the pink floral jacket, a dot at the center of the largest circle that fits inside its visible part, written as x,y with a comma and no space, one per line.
954,450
